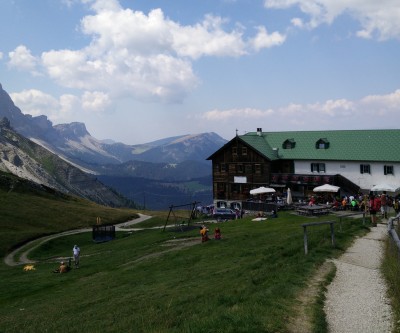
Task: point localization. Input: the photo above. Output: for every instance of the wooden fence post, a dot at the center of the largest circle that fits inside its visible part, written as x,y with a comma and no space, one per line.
305,240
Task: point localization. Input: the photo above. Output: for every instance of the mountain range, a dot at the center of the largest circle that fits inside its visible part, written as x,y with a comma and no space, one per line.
156,174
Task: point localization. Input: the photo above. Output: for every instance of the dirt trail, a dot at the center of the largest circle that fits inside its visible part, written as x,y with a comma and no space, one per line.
23,258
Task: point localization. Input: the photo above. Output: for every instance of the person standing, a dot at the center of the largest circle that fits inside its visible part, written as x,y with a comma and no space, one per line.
217,233
374,207
204,234
76,251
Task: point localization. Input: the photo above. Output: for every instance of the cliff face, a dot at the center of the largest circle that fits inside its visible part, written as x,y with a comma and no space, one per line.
24,158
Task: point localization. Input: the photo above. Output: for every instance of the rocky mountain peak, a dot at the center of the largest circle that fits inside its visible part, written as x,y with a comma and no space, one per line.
73,130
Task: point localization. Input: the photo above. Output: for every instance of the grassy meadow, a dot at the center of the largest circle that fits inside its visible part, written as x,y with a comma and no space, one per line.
158,281
391,271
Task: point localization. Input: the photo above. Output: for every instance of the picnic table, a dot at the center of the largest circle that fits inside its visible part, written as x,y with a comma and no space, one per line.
313,210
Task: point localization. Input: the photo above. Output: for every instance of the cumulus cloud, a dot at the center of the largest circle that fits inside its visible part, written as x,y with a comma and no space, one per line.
36,103
22,59
148,57
378,19
95,101
340,113
264,40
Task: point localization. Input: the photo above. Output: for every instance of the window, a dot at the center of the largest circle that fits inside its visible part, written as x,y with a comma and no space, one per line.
234,151
257,168
322,144
388,169
232,168
289,144
317,167
249,168
223,167
365,168
240,168
244,151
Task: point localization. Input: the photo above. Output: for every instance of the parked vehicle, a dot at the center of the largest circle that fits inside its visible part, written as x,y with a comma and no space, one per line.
221,214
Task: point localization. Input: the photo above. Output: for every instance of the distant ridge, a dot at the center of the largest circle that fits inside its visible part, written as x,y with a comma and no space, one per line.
174,159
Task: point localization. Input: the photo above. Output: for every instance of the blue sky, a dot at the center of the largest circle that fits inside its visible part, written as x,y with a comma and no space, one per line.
139,70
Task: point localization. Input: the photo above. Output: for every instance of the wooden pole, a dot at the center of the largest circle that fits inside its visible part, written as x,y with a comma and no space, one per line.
305,240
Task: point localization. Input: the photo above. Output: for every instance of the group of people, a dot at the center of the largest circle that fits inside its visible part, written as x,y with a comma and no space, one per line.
64,268
380,204
375,204
204,233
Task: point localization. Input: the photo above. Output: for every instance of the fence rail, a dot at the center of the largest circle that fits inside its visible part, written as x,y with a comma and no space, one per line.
392,231
305,225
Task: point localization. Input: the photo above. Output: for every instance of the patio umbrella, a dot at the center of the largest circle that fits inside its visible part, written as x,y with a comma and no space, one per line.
289,199
326,188
384,187
261,190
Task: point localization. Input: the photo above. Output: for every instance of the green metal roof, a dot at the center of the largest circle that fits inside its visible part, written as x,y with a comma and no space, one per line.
346,145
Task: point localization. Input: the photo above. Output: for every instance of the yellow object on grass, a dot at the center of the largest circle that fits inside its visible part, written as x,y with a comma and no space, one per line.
29,268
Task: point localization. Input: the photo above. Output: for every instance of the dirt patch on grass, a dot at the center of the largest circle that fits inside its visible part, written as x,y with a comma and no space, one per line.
302,322
174,245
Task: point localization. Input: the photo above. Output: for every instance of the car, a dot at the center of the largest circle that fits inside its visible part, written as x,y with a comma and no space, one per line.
221,214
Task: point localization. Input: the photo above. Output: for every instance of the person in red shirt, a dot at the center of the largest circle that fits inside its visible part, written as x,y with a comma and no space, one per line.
374,207
217,233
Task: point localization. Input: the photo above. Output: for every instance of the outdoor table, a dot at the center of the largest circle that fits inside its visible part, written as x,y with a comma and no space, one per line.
313,210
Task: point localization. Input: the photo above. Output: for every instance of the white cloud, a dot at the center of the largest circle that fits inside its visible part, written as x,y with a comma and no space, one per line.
331,114
383,104
146,57
297,22
95,101
67,106
217,115
35,102
378,19
207,39
1,55
22,59
265,40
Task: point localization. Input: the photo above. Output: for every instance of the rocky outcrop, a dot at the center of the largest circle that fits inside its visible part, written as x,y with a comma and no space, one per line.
24,158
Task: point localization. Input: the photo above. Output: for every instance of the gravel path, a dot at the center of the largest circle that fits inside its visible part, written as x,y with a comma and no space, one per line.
356,299
23,259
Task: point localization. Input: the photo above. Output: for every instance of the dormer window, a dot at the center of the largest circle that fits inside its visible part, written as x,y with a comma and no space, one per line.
289,144
322,143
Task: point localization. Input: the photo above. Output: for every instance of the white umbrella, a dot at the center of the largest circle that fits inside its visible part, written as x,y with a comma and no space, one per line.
261,190
384,187
289,199
326,188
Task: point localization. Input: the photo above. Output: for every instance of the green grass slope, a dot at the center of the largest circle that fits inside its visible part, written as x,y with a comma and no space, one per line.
28,211
155,281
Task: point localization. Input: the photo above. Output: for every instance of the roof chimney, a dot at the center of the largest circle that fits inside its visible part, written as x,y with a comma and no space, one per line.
259,131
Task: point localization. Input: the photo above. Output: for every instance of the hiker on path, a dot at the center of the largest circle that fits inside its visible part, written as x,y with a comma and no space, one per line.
374,207
76,251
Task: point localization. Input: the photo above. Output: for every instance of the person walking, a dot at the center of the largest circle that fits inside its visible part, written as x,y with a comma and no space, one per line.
76,251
